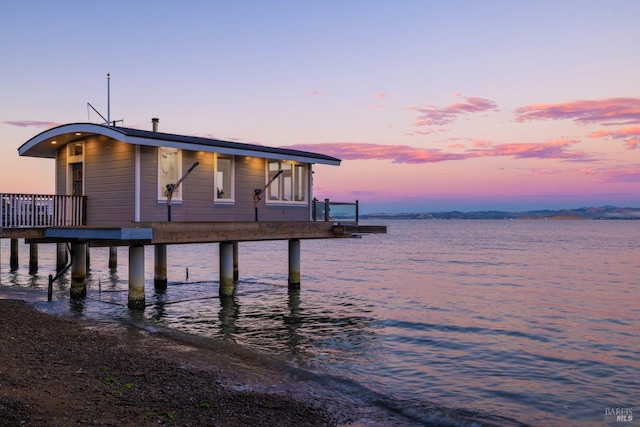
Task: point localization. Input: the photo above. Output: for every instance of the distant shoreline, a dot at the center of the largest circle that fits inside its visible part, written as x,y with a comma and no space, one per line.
557,218
602,213
554,218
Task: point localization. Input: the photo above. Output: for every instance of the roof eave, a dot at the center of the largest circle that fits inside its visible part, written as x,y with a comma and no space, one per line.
247,152
42,145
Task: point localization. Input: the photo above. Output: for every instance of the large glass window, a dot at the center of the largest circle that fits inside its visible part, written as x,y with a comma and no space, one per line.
290,186
169,171
224,178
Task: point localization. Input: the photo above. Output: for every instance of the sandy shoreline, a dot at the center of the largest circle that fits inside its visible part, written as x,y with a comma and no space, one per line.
59,371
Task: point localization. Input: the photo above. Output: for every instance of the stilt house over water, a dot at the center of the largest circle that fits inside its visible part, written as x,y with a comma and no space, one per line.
118,186
124,175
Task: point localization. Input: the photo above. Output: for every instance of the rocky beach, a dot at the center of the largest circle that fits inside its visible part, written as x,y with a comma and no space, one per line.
62,371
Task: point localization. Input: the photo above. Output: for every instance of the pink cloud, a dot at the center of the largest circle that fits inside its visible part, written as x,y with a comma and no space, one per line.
434,116
414,155
380,95
443,116
395,153
31,123
313,92
630,135
584,111
545,150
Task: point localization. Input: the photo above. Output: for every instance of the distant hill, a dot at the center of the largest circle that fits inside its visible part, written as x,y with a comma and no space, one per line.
603,212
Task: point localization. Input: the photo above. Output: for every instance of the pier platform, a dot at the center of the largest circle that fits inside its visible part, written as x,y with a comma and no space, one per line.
152,233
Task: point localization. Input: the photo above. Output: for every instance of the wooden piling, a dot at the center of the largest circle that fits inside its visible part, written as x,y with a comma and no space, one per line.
294,264
226,269
13,257
33,258
78,270
113,257
236,274
160,267
136,277
62,257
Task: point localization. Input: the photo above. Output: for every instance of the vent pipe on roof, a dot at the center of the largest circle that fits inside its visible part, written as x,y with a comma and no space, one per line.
154,123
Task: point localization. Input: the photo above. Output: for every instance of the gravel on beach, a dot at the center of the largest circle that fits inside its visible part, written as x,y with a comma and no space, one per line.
62,371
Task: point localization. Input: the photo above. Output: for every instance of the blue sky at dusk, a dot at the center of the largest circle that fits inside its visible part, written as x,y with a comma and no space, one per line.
432,105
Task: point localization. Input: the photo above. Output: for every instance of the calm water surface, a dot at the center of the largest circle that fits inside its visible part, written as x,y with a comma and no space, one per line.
437,322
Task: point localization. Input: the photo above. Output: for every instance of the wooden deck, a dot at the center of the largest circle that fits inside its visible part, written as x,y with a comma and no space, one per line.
41,218
207,232
151,233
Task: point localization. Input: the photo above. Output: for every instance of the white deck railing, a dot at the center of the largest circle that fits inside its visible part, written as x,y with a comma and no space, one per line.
41,210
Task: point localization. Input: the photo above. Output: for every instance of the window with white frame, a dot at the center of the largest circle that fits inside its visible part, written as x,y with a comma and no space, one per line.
75,168
290,186
169,171
224,178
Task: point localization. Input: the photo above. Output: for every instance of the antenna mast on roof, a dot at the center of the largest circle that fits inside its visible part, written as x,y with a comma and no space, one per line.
108,97
107,121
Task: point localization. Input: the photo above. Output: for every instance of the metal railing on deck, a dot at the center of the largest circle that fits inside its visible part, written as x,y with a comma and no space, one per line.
41,210
342,212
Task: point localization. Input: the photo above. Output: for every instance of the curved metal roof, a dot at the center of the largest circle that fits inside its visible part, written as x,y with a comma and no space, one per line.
46,143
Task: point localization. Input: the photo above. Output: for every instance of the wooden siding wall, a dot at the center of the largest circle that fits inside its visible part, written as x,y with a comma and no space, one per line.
194,190
109,182
198,191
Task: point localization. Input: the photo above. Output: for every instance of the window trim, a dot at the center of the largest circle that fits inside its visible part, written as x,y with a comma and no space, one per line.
293,167
71,159
232,179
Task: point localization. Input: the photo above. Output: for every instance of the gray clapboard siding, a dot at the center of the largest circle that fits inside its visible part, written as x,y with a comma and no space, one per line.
109,182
